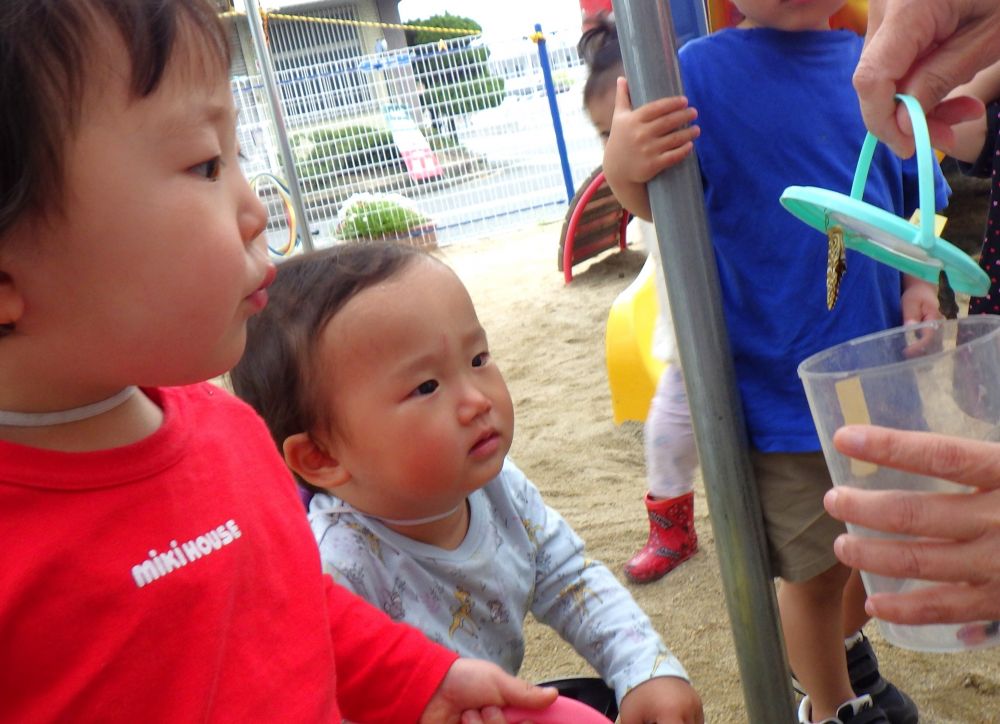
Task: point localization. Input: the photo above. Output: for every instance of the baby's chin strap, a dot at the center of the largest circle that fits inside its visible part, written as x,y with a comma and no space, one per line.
345,508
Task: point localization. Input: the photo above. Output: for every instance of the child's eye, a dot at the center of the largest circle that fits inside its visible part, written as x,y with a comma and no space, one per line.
426,388
210,169
480,359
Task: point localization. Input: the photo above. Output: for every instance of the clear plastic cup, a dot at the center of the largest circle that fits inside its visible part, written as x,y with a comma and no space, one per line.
941,376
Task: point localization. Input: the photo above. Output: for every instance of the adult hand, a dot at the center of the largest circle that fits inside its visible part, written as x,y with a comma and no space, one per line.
958,535
924,49
473,692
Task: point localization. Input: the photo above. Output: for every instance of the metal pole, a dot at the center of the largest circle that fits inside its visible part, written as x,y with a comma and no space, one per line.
274,101
550,91
646,35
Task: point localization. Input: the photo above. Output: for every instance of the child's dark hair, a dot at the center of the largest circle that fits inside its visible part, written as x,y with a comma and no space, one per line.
46,50
277,375
599,48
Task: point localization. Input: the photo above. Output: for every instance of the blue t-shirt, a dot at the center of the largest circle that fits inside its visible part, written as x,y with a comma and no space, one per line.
777,109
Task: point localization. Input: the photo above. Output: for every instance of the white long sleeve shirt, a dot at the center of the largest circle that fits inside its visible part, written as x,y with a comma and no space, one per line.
519,555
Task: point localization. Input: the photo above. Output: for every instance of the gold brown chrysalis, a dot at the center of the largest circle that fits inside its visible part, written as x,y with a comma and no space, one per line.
836,263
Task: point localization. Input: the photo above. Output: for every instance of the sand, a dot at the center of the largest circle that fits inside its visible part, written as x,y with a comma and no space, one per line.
548,338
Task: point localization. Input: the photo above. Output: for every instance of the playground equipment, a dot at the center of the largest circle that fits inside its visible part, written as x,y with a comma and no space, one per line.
633,370
595,222
277,185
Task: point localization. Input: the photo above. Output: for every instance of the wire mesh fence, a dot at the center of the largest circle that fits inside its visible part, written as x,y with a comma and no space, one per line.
453,139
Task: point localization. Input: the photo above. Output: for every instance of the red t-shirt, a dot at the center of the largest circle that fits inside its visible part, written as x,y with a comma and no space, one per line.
176,580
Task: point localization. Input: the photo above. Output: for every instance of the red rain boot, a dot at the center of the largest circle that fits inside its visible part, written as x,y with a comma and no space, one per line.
672,539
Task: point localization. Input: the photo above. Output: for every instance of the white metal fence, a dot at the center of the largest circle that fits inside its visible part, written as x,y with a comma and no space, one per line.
462,129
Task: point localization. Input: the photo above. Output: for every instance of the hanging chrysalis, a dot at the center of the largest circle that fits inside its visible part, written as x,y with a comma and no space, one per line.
836,263
946,298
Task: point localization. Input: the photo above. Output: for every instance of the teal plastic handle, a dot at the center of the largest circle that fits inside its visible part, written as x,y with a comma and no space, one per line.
925,169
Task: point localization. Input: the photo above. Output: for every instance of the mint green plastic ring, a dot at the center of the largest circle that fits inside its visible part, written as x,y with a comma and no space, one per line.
880,234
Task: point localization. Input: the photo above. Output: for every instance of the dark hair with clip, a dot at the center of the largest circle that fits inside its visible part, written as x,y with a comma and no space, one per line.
277,374
46,50
599,48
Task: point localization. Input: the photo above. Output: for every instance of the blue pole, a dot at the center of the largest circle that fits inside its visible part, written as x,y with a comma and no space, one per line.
550,91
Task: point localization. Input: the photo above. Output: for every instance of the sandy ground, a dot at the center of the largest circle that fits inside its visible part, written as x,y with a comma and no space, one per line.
549,340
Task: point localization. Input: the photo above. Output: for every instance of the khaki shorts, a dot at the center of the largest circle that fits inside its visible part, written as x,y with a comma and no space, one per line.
800,533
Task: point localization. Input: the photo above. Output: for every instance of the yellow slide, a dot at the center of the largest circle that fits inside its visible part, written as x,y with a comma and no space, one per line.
633,371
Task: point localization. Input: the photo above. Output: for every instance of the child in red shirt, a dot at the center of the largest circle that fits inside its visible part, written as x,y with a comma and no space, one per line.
156,564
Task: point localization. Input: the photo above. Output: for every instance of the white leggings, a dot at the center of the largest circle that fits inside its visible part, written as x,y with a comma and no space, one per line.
671,456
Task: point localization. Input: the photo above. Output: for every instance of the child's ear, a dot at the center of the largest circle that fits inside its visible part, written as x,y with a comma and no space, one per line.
11,304
312,463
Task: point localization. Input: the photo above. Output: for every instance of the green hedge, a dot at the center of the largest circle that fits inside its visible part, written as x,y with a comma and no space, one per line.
457,22
472,95
372,219
457,79
323,151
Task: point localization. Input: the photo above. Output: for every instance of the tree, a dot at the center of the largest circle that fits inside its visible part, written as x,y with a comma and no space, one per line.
453,69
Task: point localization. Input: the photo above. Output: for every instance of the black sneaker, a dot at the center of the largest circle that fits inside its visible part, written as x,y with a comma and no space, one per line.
856,711
862,667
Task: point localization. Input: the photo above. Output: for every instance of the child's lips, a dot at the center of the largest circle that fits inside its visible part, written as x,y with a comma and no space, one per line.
258,298
486,445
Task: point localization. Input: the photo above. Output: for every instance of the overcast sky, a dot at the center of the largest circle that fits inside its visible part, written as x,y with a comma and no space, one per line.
501,18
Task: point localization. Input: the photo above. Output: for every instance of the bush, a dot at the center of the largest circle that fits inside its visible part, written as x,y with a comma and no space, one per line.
457,22
371,217
325,151
459,98
456,76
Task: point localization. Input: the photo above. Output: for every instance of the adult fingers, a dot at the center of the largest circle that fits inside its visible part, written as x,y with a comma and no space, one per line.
967,562
939,515
892,44
949,113
923,49
947,603
954,61
957,110
876,11
969,462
